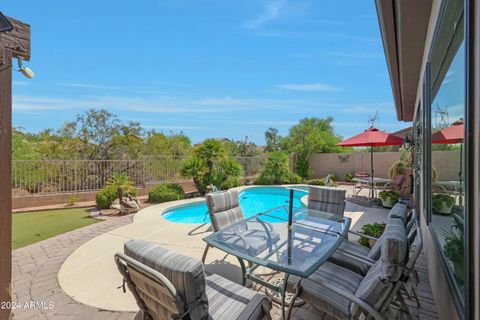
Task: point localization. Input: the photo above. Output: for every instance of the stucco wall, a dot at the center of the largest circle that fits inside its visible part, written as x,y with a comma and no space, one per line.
446,163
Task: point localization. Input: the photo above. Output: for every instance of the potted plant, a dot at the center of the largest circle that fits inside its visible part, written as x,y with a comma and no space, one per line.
442,203
389,198
374,230
454,246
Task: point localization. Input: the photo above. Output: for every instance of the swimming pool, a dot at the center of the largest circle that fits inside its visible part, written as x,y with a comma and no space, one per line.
252,200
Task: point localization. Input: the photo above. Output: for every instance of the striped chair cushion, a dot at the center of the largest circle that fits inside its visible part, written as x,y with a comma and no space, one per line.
373,289
392,224
185,273
399,211
342,257
228,300
326,199
224,208
324,299
380,279
222,200
394,250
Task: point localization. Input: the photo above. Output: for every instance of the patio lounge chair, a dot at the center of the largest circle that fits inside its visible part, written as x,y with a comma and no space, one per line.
224,210
168,285
344,294
331,200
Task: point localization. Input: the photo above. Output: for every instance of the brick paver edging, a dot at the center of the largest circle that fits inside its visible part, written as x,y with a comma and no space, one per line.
34,276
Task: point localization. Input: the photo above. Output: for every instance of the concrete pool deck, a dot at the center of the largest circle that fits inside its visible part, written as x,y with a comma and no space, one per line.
89,275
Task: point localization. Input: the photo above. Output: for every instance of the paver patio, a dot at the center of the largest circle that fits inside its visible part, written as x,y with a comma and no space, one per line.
36,268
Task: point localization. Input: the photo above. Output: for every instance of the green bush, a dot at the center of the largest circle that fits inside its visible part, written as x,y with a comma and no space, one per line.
295,178
349,177
373,230
440,198
166,192
317,182
276,171
105,197
302,165
387,194
72,200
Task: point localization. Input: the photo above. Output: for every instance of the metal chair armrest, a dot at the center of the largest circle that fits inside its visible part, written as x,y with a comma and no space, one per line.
362,235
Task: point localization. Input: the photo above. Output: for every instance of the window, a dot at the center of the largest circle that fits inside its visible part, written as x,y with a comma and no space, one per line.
446,151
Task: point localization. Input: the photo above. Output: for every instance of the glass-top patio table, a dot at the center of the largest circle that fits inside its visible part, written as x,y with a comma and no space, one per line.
269,240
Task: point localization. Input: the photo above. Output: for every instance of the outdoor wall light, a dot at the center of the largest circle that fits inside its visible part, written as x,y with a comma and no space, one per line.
5,25
27,72
408,142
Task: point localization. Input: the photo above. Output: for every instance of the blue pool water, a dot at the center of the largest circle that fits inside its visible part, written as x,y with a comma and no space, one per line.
252,201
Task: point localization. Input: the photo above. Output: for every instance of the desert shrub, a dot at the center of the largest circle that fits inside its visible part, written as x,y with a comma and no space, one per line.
302,165
317,182
333,176
349,177
295,178
72,200
105,197
276,170
166,192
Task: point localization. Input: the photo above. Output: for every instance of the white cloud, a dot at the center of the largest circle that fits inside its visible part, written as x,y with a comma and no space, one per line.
308,87
91,86
272,10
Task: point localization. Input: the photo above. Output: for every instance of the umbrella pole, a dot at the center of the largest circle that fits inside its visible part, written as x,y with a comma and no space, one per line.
371,168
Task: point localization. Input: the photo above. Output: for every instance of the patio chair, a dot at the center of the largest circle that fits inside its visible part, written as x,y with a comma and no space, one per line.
397,185
358,185
168,285
331,200
224,210
344,294
358,258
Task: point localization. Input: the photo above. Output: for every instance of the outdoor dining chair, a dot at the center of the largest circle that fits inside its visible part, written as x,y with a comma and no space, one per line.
358,258
398,184
224,210
359,185
331,200
344,294
168,285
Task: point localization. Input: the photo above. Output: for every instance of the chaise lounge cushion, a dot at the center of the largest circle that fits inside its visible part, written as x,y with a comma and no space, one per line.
185,273
228,300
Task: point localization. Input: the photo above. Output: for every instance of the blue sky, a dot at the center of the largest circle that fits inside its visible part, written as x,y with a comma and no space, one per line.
207,68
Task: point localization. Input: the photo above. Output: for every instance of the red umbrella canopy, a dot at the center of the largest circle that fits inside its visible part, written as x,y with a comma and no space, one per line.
451,134
372,137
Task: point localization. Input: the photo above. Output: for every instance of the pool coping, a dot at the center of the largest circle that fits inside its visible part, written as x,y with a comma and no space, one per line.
89,275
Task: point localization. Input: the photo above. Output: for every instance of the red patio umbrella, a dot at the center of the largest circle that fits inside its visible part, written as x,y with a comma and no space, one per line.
450,135
372,137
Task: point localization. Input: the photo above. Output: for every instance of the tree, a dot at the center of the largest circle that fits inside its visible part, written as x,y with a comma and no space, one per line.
310,135
277,170
241,148
273,139
210,164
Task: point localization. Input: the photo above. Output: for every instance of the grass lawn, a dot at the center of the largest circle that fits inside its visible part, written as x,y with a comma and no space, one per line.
31,227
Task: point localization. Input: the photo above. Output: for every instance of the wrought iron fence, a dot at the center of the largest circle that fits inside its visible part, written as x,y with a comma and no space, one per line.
60,176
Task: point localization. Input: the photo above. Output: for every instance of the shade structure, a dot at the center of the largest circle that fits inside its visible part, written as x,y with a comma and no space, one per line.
451,134
372,137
